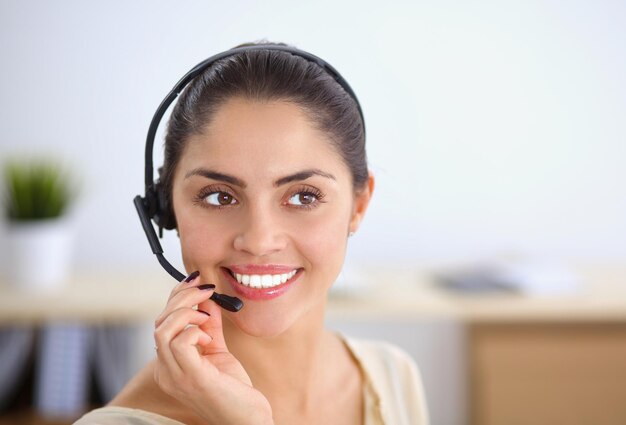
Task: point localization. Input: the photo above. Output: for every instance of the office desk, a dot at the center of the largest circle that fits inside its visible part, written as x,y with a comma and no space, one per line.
528,360
118,297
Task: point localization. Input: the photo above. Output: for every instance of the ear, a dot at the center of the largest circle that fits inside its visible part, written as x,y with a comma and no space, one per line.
361,202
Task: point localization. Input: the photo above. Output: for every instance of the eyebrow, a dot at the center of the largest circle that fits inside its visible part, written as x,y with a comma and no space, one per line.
303,175
299,176
210,174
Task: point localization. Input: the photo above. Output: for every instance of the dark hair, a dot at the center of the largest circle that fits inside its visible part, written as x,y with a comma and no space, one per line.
267,75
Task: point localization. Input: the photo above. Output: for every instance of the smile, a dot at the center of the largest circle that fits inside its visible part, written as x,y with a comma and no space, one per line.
261,282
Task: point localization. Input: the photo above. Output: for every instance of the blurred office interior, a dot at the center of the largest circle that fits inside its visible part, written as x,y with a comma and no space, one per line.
494,250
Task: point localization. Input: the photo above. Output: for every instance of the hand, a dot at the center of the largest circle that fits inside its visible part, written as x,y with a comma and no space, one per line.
194,365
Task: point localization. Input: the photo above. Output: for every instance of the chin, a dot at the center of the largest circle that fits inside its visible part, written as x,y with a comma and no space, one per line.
261,323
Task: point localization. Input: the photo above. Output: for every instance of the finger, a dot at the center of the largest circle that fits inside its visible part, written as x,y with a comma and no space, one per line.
167,367
184,285
185,350
192,280
174,324
188,297
213,327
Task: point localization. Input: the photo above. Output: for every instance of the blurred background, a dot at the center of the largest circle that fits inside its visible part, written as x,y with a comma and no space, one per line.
497,136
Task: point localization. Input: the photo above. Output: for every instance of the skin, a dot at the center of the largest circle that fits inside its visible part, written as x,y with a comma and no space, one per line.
273,361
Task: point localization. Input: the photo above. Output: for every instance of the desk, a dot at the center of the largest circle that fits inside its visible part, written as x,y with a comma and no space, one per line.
118,297
91,297
528,360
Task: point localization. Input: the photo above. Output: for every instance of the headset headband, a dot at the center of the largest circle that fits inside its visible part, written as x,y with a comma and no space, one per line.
198,69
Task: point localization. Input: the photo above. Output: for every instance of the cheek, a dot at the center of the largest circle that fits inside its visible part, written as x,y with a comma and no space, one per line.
202,240
322,240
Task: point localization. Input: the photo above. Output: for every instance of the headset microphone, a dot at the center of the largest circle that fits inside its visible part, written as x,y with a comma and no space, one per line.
225,301
154,205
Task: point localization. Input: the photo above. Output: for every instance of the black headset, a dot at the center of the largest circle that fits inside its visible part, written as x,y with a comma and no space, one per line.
154,205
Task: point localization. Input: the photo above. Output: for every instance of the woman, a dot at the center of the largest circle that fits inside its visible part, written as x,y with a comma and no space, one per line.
266,174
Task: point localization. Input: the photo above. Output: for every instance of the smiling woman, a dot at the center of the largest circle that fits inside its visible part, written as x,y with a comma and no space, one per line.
265,176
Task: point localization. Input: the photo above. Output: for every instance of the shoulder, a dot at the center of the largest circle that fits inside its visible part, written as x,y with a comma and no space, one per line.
395,378
117,415
380,352
385,361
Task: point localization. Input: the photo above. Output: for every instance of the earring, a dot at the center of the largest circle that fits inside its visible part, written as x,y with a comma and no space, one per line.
350,234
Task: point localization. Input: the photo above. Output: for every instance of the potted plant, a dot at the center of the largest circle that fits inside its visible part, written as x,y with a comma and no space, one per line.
38,193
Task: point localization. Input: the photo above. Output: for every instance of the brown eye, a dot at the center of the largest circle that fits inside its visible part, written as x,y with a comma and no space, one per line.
306,198
302,198
220,199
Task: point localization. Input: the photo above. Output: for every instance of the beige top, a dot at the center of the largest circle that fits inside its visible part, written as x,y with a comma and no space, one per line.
393,392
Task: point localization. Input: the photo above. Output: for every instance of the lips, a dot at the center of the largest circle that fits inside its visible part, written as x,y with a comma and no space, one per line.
261,282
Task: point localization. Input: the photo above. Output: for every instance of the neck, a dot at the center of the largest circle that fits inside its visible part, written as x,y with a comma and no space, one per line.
286,368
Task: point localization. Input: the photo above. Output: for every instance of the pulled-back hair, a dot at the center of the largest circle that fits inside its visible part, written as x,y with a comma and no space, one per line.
263,75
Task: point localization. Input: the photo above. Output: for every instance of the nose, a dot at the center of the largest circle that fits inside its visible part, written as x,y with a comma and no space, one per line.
260,234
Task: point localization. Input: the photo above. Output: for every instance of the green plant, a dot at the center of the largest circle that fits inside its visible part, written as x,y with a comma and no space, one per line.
36,189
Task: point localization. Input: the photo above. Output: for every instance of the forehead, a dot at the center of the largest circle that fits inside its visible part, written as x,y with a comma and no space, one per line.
259,138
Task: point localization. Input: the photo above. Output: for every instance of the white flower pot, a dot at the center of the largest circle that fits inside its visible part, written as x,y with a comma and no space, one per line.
38,254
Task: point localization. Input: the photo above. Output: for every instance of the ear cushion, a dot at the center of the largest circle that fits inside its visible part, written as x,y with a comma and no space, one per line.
164,215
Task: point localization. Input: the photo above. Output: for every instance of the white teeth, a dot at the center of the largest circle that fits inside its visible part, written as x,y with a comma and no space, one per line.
255,281
264,281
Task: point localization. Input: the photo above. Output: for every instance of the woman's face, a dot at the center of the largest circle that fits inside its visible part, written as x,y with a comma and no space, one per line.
264,204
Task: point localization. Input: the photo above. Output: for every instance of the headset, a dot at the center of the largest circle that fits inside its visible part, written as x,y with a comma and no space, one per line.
154,205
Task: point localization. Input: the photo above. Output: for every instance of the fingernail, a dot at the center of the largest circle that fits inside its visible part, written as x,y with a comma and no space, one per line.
192,276
207,286
202,311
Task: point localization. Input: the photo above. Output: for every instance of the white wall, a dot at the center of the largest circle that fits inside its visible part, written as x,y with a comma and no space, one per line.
492,126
